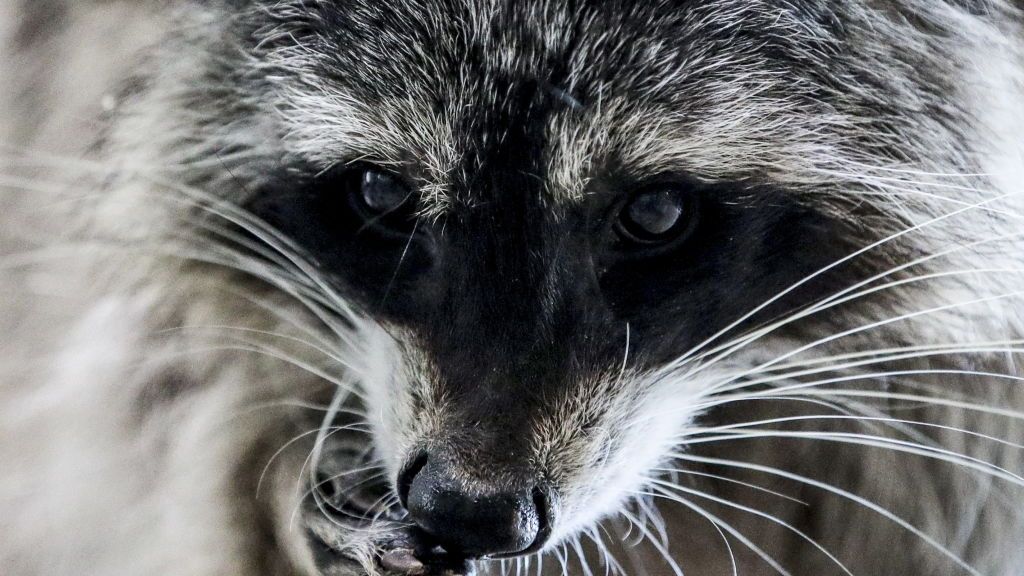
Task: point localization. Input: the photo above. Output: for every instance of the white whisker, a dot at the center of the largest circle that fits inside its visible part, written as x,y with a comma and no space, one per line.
668,487
838,492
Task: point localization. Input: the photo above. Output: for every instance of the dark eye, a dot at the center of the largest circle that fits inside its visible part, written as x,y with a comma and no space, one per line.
381,199
381,192
657,216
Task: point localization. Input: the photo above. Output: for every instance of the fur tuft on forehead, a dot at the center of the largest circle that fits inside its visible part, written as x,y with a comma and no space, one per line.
760,91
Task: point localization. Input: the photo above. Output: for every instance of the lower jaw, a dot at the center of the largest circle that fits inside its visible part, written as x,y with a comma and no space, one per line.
350,534
392,549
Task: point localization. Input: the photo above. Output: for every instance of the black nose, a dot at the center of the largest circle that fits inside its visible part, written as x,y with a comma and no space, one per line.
470,519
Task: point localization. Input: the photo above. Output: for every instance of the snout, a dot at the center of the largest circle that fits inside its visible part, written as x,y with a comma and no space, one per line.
475,518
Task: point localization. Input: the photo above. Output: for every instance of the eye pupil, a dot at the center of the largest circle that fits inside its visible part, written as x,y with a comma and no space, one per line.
381,192
655,216
655,213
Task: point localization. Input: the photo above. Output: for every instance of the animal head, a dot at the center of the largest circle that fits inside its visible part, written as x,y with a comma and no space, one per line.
560,231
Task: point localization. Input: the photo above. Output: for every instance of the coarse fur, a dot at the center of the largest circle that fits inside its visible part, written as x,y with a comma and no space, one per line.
823,380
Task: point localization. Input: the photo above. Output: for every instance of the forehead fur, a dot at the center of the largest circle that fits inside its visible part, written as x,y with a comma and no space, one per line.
724,89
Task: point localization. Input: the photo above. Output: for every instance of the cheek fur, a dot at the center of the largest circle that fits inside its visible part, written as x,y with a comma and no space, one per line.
387,394
639,420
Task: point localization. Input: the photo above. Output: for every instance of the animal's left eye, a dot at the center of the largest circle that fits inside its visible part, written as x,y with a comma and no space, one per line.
657,215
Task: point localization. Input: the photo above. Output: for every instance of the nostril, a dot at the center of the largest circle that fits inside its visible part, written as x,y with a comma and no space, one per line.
407,475
543,505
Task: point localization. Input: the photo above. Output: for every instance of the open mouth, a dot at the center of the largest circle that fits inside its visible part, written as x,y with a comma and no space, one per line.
352,488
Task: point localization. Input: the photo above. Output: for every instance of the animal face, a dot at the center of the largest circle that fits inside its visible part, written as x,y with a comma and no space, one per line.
351,287
539,211
560,232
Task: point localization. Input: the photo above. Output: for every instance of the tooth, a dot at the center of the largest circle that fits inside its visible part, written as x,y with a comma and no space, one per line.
402,561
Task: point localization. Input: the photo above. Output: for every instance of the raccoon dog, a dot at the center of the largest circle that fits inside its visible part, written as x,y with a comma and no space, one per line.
424,287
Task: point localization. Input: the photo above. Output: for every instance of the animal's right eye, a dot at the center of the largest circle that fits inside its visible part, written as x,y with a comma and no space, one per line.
379,192
380,199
